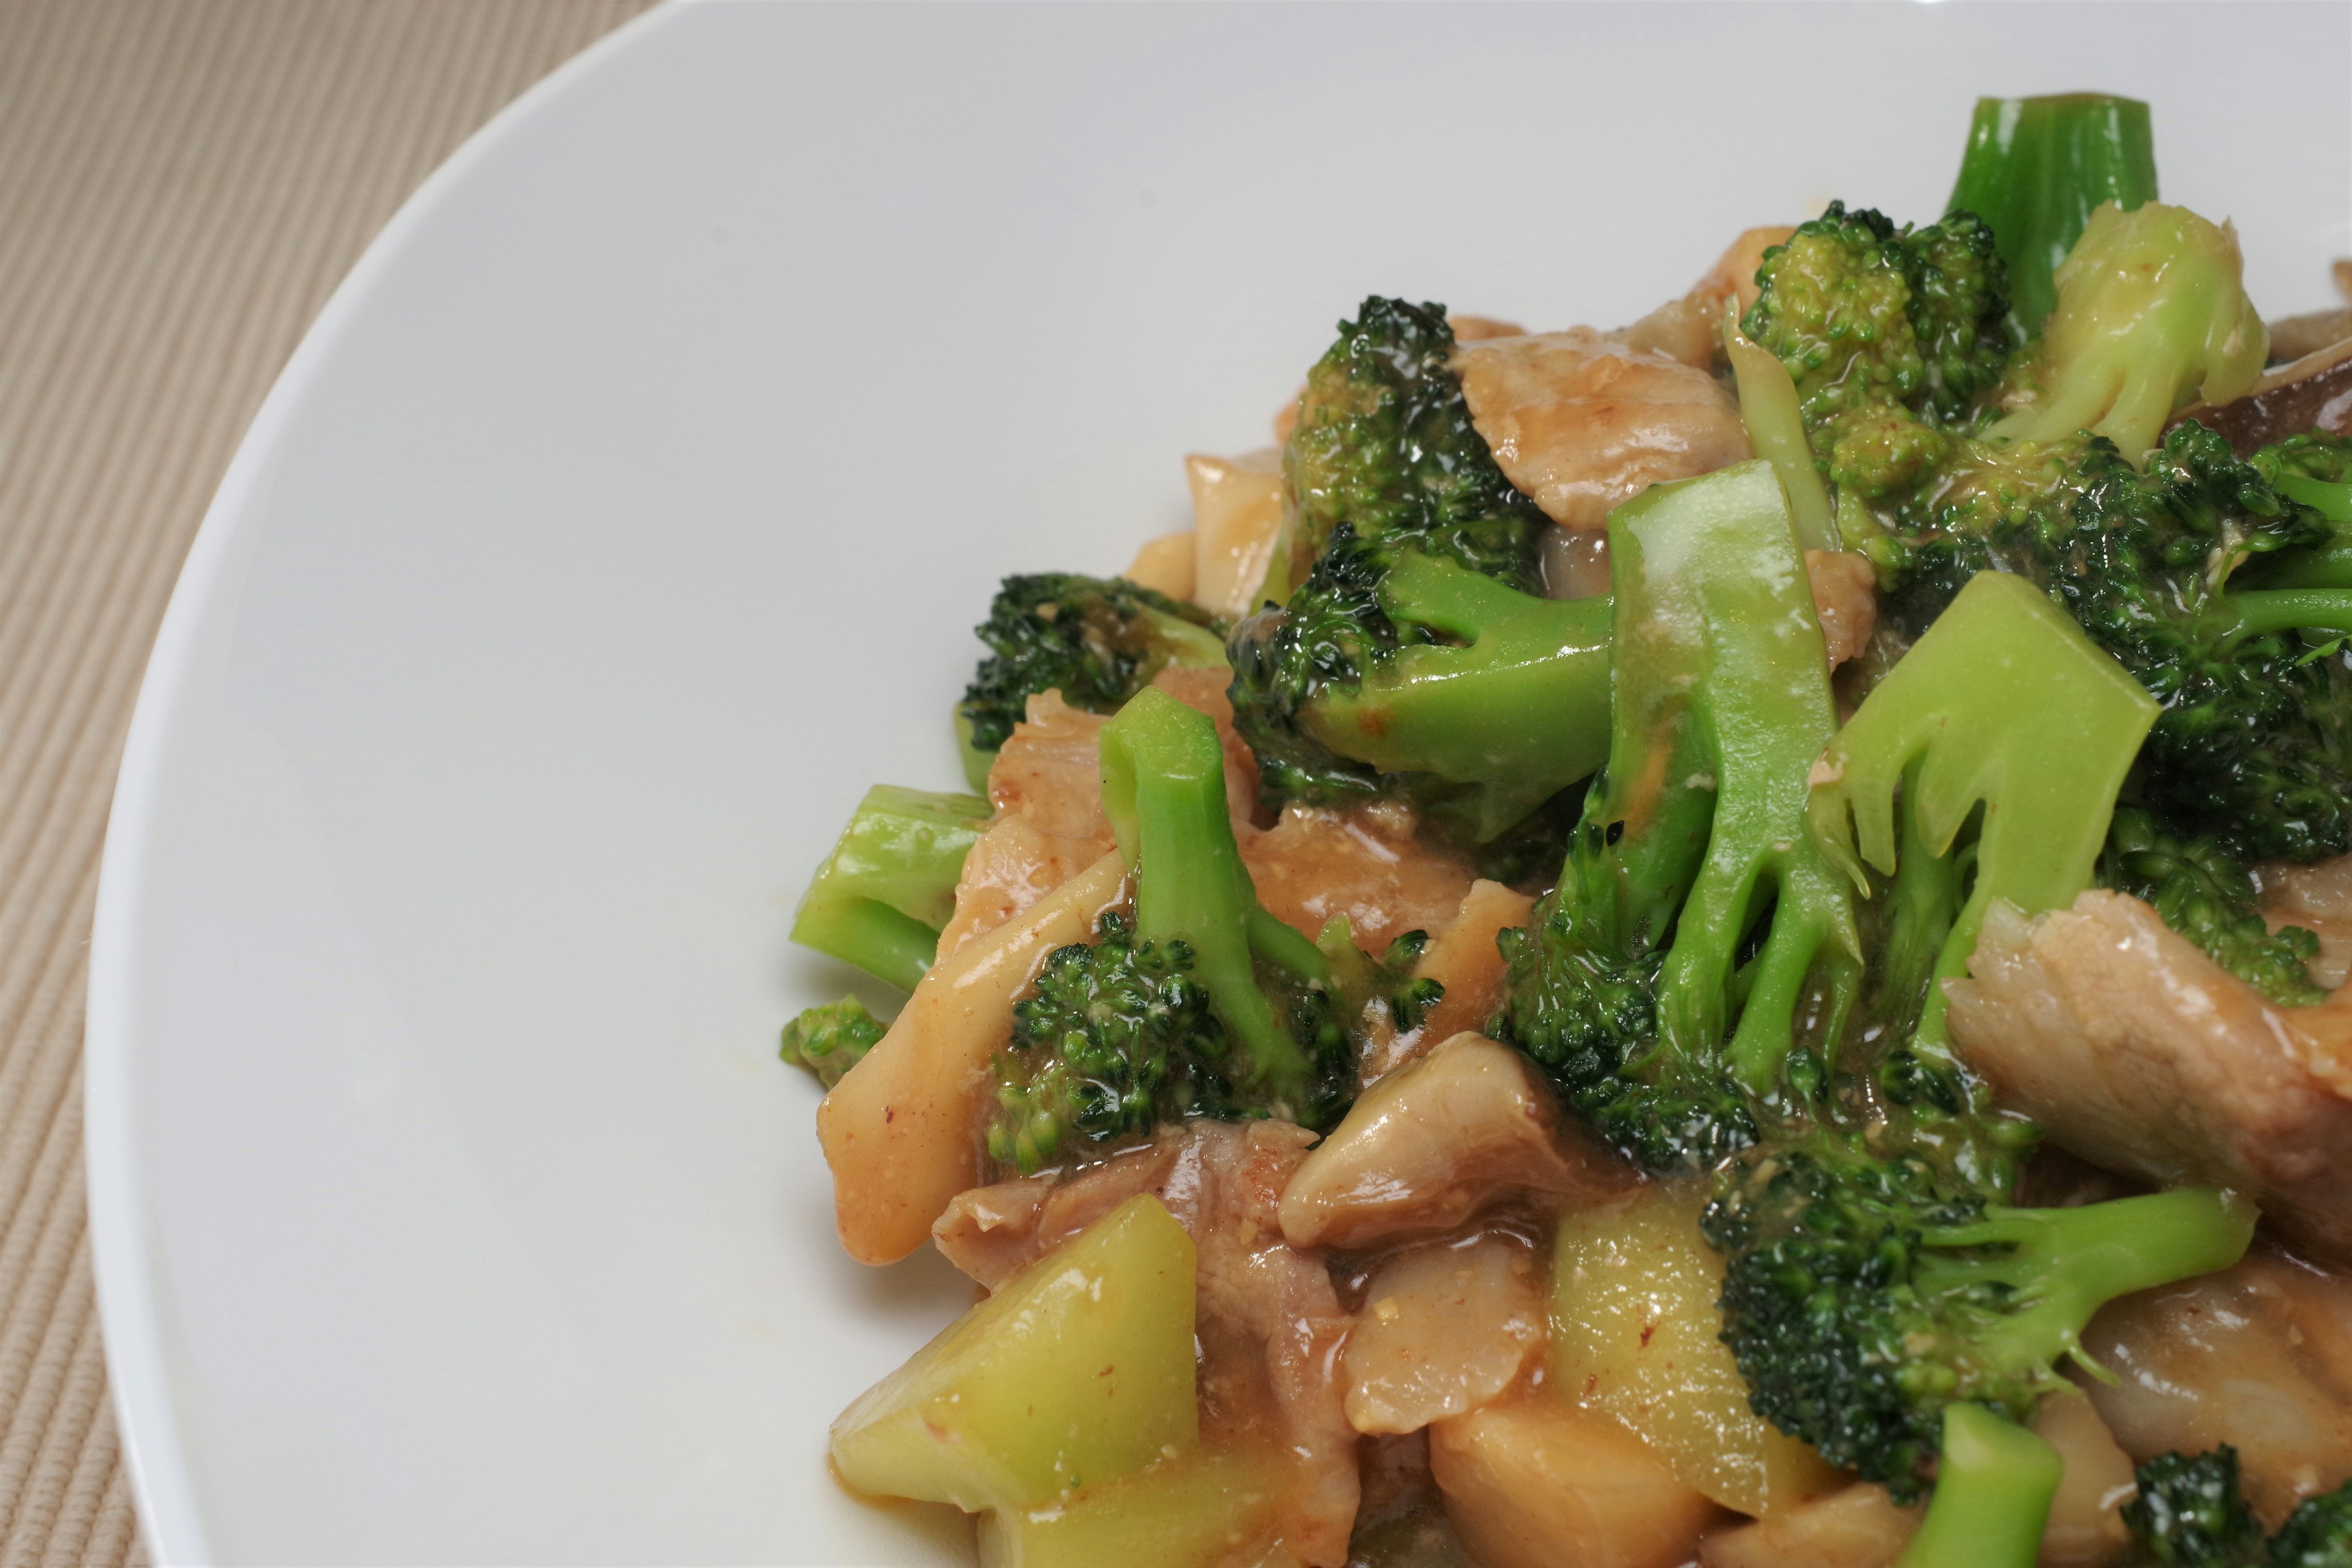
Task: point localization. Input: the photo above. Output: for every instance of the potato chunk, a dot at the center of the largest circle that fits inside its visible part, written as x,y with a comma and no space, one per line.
1535,1483
1636,1337
1079,1370
1859,1527
1201,1510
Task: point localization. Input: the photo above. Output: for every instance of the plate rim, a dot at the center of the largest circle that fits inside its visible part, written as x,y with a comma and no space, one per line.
148,1430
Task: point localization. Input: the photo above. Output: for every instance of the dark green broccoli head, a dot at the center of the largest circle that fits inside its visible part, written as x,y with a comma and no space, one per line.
2251,745
1863,312
1384,445
2204,890
2190,1513
1866,1287
831,1039
1097,641
1113,1039
1332,632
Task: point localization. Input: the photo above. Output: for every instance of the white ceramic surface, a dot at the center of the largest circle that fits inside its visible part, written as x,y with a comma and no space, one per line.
621,521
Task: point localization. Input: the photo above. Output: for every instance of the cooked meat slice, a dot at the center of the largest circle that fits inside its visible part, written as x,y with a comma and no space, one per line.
2258,1356
1575,565
2086,1528
1478,329
2292,337
1047,770
2140,1053
1165,565
1012,865
1444,1330
1370,863
1427,1148
1859,1527
1462,957
1271,1325
2318,897
1581,424
2313,393
1845,595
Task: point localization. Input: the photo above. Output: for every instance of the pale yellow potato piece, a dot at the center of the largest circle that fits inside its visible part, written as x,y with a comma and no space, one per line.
1237,515
1165,565
1636,1337
1859,1527
1078,1372
1203,1510
902,1130
2086,1526
1536,1484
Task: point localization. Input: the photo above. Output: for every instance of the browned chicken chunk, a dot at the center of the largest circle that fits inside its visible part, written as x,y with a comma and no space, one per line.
1444,1328
1425,1149
2140,1053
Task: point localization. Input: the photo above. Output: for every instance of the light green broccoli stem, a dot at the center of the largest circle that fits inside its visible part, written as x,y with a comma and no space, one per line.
1776,428
1163,786
2256,611
1723,696
2035,170
2329,566
2151,314
882,896
2059,1266
1993,1491
1522,710
2004,705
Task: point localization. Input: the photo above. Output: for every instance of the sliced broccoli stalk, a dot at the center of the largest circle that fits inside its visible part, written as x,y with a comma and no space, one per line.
2004,712
1866,1291
2151,314
2035,170
1097,641
1994,1485
2203,889
1722,703
829,1040
1776,428
1384,445
882,896
1163,785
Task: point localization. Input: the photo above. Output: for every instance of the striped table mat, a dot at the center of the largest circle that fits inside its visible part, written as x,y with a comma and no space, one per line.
182,184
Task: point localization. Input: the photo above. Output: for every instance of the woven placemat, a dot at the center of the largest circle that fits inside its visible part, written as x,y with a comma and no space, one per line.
182,184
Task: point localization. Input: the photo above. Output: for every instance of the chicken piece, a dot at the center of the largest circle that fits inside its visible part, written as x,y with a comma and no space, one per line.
901,1130
1463,958
1370,863
1689,328
1270,1325
1733,276
1049,770
1480,329
1237,515
1581,424
1166,564
2140,1053
2086,1527
1425,1149
1859,1527
2258,1356
1012,867
1537,1483
1443,1331
1574,566
1845,596
2318,897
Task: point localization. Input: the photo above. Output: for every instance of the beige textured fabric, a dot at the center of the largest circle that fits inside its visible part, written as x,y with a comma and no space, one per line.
181,186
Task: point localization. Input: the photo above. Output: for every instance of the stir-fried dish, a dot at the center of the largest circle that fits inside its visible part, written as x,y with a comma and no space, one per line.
1715,942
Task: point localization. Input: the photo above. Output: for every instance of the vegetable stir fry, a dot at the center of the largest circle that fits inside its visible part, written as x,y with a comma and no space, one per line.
1717,941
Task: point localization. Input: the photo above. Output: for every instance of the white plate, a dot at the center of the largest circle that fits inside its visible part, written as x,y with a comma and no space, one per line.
621,521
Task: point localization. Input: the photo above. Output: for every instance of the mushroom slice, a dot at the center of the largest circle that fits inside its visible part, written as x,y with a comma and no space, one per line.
2312,393
1428,1147
2142,1055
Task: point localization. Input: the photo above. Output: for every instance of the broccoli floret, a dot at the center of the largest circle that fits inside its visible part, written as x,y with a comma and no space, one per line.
2189,1513
831,1039
1207,1006
1384,445
2151,313
2203,890
1867,1290
1994,1485
1866,315
1394,670
2315,470
882,896
2004,715
1097,642
2252,746
2034,171
1697,930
